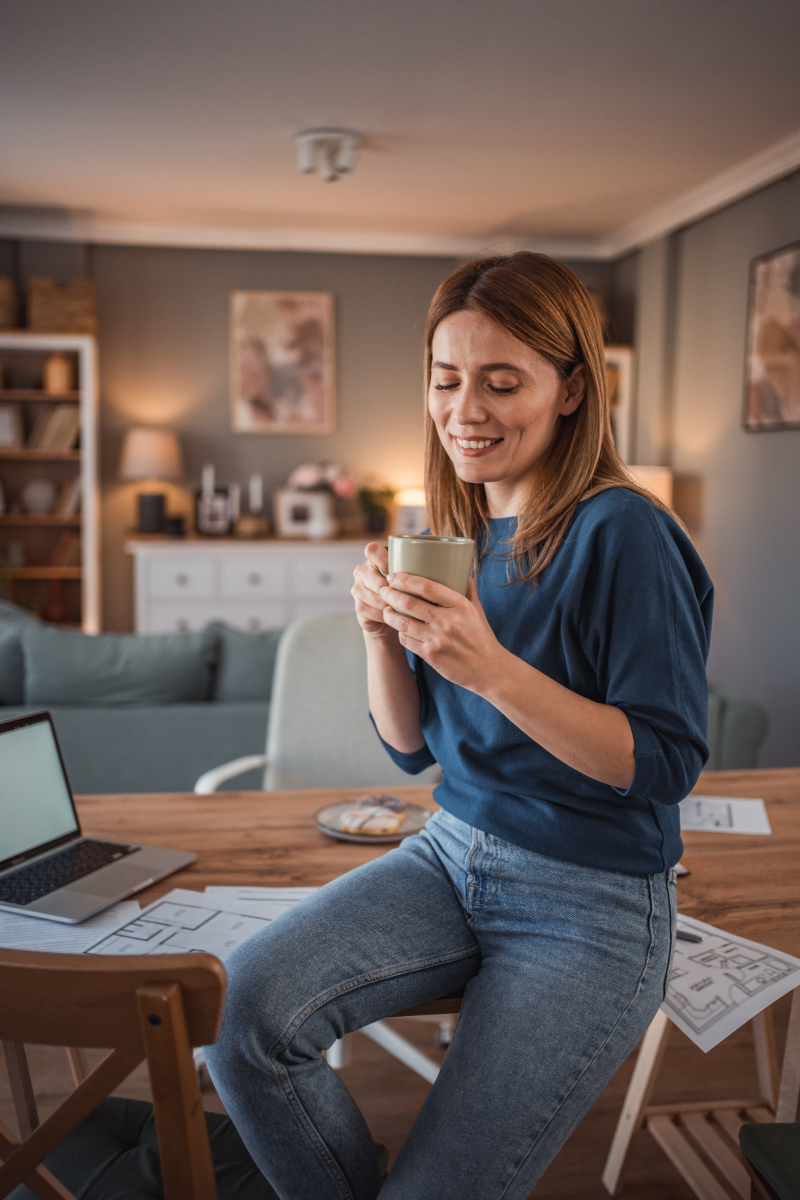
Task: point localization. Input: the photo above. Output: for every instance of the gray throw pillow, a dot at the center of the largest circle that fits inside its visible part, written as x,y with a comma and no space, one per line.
14,613
12,671
246,662
65,667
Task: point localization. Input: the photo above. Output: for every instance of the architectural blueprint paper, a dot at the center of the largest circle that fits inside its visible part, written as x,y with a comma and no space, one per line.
261,901
32,933
184,921
724,814
720,983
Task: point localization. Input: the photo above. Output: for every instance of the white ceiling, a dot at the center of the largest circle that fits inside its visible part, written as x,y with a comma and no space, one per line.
484,120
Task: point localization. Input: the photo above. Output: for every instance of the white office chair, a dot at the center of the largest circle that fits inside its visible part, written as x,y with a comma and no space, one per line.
320,736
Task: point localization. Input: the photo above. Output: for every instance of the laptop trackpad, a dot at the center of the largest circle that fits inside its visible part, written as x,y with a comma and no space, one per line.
112,881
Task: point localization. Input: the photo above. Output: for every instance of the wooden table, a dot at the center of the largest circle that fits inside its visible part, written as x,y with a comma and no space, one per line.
746,885
256,839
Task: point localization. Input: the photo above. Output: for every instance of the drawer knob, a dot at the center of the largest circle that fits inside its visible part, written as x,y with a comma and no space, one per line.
325,577
254,578
254,624
181,579
183,625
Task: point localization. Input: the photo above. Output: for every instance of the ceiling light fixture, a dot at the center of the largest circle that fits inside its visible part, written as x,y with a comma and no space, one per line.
330,151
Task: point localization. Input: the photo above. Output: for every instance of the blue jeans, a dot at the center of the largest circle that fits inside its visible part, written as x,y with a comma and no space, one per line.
564,968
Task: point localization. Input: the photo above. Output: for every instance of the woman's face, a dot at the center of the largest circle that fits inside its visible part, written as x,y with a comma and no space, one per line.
495,404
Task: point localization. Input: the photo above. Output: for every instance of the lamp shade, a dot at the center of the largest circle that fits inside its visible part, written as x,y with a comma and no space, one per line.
410,498
657,480
151,454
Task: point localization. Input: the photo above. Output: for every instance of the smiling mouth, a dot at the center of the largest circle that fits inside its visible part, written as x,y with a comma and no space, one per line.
476,443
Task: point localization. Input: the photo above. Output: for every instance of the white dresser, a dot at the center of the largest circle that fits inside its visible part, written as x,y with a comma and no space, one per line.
181,585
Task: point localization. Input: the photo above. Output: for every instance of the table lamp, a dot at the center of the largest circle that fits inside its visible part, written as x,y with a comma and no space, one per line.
411,514
151,454
657,480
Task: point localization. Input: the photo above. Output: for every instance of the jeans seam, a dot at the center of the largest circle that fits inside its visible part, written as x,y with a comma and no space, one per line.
494,874
301,1116
359,981
600,1048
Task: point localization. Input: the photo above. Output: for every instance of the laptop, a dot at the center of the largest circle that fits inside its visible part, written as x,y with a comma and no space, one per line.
47,867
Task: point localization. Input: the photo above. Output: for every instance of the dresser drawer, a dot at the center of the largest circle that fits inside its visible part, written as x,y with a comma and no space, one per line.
324,576
193,578
174,617
252,576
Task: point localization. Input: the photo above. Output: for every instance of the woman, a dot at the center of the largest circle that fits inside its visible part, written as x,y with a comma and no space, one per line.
565,699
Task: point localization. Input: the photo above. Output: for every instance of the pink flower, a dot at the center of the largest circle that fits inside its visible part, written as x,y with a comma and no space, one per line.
344,487
309,475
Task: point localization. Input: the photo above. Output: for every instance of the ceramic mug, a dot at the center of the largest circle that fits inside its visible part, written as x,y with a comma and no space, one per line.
446,560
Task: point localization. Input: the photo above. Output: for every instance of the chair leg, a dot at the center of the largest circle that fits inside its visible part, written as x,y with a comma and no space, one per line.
380,1032
19,1077
340,1054
77,1064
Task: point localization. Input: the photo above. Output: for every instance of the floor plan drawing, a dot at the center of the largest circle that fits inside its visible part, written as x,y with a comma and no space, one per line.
724,814
187,922
718,984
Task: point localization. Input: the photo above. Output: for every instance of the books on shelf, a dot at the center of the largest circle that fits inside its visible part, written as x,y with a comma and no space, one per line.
67,552
56,428
68,503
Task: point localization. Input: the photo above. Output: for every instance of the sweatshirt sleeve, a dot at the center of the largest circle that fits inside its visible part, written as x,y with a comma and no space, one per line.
412,763
647,627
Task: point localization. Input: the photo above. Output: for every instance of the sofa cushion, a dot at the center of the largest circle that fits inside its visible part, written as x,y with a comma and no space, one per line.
246,663
12,671
66,667
15,614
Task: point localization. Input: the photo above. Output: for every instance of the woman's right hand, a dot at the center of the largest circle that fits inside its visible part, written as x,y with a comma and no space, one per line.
366,592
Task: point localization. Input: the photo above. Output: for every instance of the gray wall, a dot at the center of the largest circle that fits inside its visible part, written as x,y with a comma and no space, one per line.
739,492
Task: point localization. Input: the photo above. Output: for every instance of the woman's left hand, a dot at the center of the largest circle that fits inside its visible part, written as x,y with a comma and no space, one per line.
450,632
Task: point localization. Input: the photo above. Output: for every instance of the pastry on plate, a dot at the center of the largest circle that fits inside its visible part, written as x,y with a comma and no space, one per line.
377,815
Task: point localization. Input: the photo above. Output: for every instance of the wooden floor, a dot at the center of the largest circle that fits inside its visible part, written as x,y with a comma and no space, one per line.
390,1095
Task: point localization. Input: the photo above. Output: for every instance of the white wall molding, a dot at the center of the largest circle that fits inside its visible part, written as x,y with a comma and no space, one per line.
756,172
85,227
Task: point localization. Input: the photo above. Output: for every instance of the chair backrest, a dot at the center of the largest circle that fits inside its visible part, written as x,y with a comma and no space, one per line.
140,1008
737,727
320,734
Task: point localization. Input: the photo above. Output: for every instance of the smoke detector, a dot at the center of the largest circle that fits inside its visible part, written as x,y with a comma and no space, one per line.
332,152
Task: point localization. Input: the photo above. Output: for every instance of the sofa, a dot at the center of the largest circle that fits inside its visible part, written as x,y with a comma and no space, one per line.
140,714
152,713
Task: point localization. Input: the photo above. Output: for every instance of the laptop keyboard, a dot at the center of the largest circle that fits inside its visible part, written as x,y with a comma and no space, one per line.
46,876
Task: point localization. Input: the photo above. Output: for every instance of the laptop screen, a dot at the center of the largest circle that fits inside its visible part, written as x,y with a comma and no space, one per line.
35,804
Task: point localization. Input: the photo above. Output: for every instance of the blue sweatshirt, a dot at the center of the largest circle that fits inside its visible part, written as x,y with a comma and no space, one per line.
622,616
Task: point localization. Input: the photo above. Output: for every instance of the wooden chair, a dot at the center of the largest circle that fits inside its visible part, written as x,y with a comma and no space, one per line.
153,1008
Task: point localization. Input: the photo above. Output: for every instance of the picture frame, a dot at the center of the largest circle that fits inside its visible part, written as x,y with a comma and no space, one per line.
772,355
282,362
619,368
12,433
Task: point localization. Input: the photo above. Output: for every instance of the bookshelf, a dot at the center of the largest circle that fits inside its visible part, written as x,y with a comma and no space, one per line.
49,561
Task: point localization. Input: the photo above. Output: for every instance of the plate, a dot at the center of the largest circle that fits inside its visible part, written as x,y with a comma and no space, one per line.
327,820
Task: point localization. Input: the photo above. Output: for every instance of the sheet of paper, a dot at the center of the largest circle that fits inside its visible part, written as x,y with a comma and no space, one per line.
184,921
724,814
720,983
18,932
261,901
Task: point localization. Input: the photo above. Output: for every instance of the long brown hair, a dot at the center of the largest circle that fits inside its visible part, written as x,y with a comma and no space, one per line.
546,307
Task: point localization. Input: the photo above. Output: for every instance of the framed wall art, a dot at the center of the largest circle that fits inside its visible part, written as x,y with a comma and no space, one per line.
282,362
619,368
772,366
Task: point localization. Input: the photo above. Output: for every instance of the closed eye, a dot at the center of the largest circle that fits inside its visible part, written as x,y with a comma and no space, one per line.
445,387
509,391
